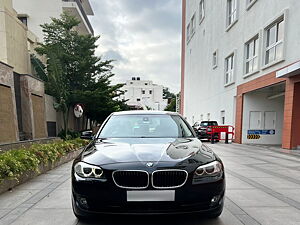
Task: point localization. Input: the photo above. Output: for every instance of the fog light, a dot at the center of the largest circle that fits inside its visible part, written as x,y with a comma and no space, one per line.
83,202
214,201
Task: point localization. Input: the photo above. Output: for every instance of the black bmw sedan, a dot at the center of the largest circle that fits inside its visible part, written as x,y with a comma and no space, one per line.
147,162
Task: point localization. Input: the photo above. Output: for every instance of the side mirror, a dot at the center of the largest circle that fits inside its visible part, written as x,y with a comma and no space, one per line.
88,135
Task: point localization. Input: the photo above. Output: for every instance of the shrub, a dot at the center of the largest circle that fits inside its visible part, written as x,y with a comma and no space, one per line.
15,162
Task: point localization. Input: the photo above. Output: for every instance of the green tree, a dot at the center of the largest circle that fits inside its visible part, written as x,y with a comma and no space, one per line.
172,106
73,72
167,94
171,100
100,99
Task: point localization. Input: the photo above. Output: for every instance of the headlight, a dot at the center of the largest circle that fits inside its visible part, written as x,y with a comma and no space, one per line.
210,169
87,171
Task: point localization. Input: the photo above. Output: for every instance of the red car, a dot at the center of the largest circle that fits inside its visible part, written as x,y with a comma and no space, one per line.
201,129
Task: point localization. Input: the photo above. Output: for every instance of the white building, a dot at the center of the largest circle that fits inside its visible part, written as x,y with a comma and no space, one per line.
143,94
35,13
240,66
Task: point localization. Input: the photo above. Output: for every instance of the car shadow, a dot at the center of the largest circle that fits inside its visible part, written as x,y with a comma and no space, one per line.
151,220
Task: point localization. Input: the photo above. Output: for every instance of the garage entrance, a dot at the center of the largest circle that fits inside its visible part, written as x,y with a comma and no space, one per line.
263,114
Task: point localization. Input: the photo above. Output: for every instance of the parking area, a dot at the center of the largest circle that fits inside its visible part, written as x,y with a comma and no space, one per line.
263,187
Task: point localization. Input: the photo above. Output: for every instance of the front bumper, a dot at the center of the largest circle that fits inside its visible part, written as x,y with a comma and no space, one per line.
106,198
204,135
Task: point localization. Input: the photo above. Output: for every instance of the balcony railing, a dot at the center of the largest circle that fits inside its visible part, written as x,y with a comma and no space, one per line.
83,13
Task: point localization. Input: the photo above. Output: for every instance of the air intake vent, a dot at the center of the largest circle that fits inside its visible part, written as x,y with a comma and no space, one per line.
131,179
164,179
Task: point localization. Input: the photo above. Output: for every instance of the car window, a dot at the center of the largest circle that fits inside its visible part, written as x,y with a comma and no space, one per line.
204,124
183,128
151,126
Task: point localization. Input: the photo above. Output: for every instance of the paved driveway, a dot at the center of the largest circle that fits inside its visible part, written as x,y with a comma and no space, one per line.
263,187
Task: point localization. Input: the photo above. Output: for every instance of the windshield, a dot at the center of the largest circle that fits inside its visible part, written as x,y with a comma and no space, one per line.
205,124
145,126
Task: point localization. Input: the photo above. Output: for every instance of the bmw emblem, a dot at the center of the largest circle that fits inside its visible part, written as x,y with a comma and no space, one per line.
149,164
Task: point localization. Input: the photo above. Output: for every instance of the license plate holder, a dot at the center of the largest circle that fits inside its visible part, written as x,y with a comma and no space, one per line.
151,196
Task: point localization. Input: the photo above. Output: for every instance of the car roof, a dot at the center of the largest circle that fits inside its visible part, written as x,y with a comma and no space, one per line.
144,112
208,121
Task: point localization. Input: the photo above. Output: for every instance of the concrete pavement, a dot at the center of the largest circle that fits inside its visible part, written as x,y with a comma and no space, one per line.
263,187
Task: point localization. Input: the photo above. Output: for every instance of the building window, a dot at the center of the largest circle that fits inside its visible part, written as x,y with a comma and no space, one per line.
23,19
231,12
250,3
215,59
138,99
193,25
251,52
150,92
229,69
201,11
143,92
188,32
274,42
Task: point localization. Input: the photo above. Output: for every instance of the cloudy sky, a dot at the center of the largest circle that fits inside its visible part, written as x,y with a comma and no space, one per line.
143,36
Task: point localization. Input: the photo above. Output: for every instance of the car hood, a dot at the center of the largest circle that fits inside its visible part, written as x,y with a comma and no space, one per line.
155,150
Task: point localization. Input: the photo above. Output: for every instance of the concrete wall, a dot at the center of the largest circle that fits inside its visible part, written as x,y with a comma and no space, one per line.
32,126
13,39
51,114
8,114
38,112
204,88
39,12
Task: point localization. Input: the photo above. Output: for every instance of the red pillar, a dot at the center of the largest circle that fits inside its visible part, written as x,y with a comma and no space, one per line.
291,121
239,118
182,56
